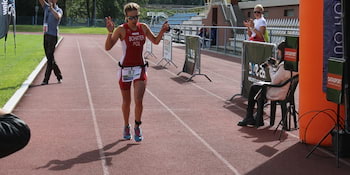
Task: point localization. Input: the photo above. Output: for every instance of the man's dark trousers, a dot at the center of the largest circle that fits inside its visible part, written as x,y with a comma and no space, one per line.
50,42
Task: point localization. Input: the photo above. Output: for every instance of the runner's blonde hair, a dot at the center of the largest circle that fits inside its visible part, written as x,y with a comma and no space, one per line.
131,7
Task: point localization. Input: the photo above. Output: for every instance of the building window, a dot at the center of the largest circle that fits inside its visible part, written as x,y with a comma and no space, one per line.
289,12
249,14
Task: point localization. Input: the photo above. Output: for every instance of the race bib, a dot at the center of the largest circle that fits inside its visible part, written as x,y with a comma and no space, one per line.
131,73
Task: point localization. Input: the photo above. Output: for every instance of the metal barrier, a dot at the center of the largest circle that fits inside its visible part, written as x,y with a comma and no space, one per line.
149,50
254,55
225,39
192,63
167,50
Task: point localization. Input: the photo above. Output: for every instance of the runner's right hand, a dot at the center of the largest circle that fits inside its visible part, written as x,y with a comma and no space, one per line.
109,24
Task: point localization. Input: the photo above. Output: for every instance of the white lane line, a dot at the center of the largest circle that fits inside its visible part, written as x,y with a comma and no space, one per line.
217,96
218,155
92,108
201,88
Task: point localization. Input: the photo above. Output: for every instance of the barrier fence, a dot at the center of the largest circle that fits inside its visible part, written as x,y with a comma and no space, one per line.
225,39
167,50
192,64
254,55
149,50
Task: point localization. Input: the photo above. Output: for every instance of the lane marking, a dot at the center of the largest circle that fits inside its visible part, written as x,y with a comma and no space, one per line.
206,144
93,114
218,155
221,98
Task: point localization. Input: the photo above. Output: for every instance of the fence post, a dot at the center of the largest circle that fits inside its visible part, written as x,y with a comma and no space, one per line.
225,40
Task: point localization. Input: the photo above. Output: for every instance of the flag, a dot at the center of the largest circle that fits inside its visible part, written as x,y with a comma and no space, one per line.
8,15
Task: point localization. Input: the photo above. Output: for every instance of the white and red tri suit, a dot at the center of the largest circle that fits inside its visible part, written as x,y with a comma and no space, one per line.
132,46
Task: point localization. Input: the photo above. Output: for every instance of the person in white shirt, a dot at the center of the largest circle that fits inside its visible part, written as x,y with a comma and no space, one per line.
257,27
278,75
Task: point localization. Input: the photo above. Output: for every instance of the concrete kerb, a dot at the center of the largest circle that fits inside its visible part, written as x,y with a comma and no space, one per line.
13,101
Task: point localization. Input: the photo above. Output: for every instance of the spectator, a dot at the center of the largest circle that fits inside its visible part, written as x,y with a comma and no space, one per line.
52,17
203,33
257,27
213,33
257,93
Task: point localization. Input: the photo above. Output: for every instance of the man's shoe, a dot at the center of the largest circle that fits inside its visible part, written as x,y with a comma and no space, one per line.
259,121
44,83
126,133
246,122
59,79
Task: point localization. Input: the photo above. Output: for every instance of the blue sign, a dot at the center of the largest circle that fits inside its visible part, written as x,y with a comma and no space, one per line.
332,34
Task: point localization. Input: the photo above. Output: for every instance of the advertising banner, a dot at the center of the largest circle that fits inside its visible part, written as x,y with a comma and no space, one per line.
335,79
167,47
149,50
192,55
332,34
291,53
254,55
167,50
148,46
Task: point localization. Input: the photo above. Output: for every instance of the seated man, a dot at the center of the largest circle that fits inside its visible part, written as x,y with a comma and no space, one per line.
14,134
259,94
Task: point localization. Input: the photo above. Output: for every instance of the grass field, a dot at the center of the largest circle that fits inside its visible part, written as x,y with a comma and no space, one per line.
63,29
15,66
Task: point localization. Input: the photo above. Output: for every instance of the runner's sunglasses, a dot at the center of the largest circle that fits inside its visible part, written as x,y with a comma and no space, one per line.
133,17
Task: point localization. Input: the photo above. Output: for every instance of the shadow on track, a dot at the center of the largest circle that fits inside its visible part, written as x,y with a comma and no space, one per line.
87,157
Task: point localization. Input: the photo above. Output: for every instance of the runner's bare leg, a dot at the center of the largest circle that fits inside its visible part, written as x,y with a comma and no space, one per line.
139,91
126,105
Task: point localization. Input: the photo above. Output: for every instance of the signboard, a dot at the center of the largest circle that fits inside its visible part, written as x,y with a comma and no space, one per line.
149,49
167,50
148,46
192,63
291,53
167,47
335,80
254,55
192,54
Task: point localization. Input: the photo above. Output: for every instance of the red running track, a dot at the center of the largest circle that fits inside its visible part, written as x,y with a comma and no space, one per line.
189,127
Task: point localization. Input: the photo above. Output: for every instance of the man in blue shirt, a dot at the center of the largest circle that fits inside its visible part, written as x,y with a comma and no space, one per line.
52,17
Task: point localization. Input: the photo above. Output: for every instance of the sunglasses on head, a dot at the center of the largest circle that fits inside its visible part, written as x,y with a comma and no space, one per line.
259,12
133,17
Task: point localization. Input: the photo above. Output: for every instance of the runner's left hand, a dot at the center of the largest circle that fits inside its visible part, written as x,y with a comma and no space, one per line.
165,26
